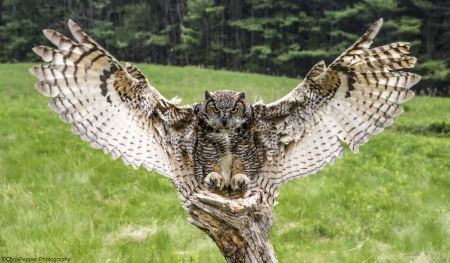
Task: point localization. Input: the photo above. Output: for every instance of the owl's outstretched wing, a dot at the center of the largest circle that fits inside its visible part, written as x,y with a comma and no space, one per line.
115,108
356,96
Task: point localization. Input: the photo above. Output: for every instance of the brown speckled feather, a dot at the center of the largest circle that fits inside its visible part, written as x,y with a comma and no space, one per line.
116,109
356,96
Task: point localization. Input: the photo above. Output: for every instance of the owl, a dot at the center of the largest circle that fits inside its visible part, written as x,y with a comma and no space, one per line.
224,142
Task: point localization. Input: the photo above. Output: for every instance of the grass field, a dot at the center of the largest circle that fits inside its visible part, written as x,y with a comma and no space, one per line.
61,198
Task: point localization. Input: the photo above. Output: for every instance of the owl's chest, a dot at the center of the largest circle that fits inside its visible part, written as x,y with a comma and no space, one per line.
220,149
226,159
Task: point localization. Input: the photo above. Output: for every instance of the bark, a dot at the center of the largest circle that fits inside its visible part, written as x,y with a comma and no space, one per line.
239,226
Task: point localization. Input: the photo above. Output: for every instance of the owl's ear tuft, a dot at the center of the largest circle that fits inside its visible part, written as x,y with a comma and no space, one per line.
208,95
241,95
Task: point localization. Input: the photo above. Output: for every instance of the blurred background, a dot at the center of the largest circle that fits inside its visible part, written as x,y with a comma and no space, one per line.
275,37
61,198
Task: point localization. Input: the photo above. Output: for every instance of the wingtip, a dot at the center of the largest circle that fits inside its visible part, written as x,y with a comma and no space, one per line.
48,33
377,25
373,30
71,23
38,51
78,33
32,70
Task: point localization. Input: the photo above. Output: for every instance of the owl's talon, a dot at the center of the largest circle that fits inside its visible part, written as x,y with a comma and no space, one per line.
240,182
214,181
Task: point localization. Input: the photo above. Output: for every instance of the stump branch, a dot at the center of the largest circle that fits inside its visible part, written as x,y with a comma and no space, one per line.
240,227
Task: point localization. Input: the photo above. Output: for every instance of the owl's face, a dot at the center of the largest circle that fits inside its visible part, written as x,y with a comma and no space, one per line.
224,109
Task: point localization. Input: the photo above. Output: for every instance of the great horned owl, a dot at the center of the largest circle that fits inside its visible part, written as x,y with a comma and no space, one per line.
224,141
228,153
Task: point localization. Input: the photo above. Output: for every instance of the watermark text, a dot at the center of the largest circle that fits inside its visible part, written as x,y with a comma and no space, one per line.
37,259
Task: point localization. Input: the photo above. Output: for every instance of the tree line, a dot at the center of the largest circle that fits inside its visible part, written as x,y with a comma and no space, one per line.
277,37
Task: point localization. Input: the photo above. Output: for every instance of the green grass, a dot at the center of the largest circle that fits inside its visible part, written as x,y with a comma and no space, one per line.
61,198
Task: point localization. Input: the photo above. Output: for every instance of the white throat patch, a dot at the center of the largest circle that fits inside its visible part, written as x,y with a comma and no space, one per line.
226,162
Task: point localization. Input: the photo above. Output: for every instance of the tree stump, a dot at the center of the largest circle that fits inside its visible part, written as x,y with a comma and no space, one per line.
238,225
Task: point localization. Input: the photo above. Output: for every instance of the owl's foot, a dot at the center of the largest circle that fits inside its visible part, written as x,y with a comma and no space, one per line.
240,182
214,181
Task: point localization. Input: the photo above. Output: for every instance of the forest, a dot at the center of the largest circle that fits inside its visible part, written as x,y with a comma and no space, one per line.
275,37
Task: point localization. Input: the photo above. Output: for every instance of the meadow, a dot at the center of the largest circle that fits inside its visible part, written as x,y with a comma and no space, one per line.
61,198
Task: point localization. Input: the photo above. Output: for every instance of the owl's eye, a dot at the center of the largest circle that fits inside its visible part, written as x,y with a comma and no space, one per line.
216,110
235,110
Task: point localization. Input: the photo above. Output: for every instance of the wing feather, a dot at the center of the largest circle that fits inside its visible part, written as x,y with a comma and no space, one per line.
140,148
149,153
322,147
355,97
114,108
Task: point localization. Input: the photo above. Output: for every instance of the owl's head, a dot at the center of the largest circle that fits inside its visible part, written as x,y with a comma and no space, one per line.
224,109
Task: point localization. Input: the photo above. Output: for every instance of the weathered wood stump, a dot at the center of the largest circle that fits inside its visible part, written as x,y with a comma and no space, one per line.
238,225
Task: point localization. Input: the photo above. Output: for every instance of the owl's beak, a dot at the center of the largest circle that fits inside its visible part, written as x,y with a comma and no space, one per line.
224,122
224,118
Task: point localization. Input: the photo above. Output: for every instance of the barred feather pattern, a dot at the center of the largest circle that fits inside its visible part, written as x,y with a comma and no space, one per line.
116,109
355,97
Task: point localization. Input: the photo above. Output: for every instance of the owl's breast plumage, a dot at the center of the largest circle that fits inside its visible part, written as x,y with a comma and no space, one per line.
218,150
